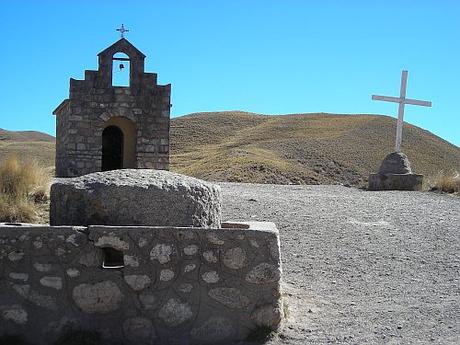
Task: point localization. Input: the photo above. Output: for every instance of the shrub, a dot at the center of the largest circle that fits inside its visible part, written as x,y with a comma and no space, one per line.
447,182
14,210
22,185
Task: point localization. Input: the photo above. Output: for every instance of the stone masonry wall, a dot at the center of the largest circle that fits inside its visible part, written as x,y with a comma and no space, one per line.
177,286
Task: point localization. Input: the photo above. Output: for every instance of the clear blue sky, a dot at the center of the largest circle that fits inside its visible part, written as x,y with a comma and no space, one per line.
263,56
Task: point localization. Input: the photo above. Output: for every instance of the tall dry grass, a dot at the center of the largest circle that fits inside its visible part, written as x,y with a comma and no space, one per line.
448,182
23,185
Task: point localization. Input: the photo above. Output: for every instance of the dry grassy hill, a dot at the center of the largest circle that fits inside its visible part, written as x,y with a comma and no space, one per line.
27,144
25,136
300,148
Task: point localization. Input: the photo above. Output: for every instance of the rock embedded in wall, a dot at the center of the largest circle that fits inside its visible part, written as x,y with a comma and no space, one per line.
174,312
14,313
215,329
263,273
230,297
101,297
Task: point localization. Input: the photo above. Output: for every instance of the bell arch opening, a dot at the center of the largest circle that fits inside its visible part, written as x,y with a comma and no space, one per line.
118,144
121,70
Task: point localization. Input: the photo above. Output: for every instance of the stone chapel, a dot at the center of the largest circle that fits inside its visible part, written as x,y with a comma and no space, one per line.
102,126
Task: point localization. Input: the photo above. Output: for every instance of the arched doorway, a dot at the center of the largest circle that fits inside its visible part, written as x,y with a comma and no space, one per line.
112,148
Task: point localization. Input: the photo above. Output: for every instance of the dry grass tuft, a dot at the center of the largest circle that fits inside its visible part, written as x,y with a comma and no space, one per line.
447,182
23,185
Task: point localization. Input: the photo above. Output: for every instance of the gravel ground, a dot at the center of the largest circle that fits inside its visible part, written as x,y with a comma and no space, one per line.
361,267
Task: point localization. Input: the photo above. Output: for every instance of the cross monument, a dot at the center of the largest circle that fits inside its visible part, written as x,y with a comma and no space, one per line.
122,31
402,100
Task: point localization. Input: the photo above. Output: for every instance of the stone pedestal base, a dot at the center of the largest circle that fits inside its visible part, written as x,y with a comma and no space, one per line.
395,182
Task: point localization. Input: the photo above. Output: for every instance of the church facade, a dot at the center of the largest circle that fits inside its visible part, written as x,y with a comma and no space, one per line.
103,127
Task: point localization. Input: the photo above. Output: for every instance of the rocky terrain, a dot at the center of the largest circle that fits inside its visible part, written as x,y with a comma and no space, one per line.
361,267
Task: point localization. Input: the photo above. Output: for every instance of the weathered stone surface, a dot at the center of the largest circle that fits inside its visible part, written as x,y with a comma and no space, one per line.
44,301
235,258
210,256
148,301
210,277
38,243
13,313
101,297
91,259
174,312
162,253
395,163
16,255
72,272
189,268
395,174
409,182
52,282
19,276
166,275
230,297
137,282
111,241
138,328
214,239
263,273
191,249
131,260
42,267
185,288
268,315
160,198
213,330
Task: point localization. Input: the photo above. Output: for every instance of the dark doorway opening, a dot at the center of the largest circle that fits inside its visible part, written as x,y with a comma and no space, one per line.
112,148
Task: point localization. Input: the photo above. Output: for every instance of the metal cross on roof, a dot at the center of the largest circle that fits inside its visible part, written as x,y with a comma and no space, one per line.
402,100
122,31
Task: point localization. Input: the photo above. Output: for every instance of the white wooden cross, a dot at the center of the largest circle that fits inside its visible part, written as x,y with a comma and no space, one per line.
402,100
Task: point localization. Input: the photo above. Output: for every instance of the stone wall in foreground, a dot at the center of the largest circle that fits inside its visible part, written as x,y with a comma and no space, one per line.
175,286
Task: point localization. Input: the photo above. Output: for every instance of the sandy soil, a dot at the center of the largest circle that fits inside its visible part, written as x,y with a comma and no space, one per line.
361,267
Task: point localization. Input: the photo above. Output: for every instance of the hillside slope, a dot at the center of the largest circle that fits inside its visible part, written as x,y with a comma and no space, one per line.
28,144
300,148
25,136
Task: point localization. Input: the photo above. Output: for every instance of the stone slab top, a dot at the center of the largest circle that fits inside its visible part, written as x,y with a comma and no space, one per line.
140,178
268,227
261,226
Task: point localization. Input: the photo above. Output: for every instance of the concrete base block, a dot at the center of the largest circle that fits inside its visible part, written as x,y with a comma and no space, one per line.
411,182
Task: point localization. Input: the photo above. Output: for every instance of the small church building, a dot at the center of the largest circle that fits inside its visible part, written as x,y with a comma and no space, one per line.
103,126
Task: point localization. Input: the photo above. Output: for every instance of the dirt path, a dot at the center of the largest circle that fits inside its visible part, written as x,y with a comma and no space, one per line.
361,267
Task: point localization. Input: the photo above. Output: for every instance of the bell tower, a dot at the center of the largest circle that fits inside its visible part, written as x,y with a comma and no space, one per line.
105,127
